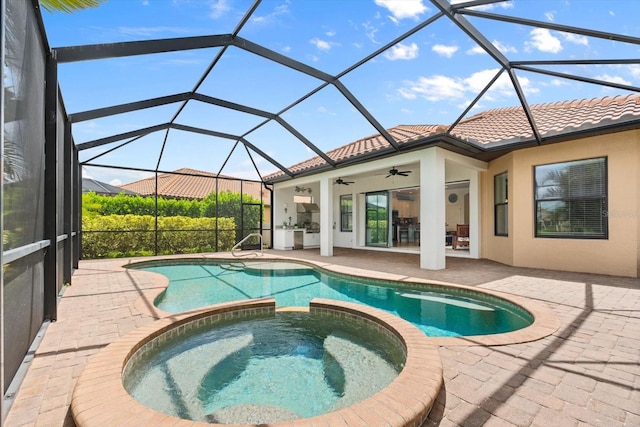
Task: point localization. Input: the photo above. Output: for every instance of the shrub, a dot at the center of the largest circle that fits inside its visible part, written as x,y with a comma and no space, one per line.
113,236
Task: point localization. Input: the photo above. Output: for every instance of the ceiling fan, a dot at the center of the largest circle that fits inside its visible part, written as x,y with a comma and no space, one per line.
393,172
343,182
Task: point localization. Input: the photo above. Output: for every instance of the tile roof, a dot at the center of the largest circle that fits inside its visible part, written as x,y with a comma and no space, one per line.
505,125
99,187
369,144
498,127
188,183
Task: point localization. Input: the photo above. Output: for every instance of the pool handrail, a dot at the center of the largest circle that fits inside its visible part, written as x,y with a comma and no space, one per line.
237,245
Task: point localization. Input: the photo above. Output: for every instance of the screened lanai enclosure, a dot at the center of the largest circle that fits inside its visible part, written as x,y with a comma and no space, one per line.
198,110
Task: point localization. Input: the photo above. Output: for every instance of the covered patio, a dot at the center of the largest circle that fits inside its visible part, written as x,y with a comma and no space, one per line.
586,373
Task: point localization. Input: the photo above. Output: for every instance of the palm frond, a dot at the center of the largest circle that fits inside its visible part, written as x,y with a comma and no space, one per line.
68,6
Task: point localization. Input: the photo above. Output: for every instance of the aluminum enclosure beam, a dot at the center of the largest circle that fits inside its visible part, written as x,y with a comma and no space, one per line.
552,26
121,136
128,107
146,47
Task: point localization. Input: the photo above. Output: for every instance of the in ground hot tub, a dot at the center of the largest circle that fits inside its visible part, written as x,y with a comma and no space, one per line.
245,363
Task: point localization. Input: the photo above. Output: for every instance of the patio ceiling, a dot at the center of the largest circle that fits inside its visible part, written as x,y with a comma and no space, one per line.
271,135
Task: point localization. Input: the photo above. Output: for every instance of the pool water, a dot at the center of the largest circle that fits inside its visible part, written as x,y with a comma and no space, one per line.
437,311
266,369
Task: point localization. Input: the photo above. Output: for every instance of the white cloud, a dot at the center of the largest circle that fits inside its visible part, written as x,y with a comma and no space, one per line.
330,33
444,88
115,182
271,17
634,69
323,45
402,9
370,31
402,51
544,41
406,93
443,50
550,15
575,38
504,48
556,83
286,49
479,80
476,50
219,8
434,88
613,79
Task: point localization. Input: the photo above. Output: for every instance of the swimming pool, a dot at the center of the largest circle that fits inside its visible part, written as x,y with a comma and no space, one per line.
100,398
247,370
438,311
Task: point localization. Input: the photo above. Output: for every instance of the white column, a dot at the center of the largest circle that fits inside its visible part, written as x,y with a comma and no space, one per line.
474,214
432,210
355,230
326,217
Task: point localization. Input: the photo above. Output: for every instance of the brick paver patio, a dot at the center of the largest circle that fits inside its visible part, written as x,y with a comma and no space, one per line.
586,373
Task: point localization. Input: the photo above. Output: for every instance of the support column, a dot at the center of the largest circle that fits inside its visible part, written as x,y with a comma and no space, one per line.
474,214
69,194
432,210
77,207
326,217
50,190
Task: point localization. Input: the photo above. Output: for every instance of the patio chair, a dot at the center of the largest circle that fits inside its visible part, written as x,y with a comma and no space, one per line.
461,238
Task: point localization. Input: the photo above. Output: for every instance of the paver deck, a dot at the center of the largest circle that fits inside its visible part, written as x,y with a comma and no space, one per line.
587,373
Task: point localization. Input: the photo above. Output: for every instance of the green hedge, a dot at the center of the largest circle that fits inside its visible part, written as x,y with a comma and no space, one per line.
225,204
114,236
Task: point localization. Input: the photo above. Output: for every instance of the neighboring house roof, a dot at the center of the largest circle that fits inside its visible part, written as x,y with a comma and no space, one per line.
493,128
188,183
99,187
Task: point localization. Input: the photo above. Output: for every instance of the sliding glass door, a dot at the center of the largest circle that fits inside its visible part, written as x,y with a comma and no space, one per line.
377,219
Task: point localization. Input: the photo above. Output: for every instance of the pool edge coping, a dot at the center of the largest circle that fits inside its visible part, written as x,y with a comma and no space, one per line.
99,397
545,323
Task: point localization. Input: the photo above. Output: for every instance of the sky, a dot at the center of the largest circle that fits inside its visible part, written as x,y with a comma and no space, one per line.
430,77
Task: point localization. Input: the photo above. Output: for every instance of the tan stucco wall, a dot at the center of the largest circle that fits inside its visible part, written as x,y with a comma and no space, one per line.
497,248
617,255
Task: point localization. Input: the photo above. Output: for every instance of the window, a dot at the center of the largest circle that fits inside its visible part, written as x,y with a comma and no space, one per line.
571,199
346,213
500,204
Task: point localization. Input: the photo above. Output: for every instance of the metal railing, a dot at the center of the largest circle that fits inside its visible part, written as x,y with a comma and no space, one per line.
237,245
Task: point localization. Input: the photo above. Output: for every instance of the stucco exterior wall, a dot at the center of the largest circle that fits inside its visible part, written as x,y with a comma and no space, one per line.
497,248
617,255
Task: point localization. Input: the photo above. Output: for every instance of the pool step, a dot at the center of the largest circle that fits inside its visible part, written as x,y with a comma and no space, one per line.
343,363
236,266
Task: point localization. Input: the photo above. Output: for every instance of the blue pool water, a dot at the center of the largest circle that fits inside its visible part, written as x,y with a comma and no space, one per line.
265,369
437,311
